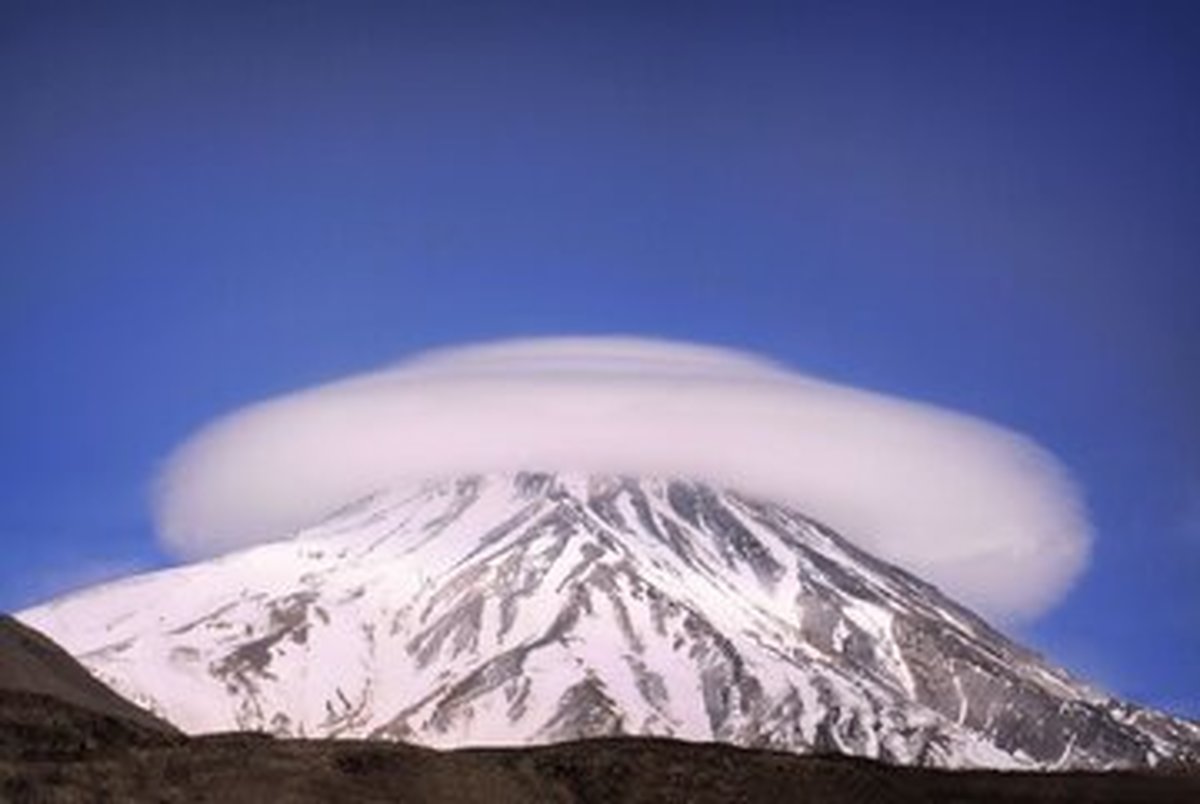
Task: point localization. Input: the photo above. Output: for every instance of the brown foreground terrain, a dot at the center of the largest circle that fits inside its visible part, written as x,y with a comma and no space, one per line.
64,737
56,752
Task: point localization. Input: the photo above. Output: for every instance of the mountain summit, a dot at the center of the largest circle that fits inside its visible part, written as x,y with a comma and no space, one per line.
534,608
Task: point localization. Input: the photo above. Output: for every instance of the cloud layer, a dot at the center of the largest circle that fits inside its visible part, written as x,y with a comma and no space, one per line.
983,512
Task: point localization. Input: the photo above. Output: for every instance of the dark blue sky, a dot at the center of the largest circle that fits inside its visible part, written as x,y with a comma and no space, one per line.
989,206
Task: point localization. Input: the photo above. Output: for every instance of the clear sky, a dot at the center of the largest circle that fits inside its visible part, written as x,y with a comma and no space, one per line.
988,206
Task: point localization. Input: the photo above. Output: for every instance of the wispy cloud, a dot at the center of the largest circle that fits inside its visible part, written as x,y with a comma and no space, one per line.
67,578
979,510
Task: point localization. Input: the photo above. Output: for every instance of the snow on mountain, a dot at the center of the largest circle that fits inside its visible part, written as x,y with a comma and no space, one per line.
530,608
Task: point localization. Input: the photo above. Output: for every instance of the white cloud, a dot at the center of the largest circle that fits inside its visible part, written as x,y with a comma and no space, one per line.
983,512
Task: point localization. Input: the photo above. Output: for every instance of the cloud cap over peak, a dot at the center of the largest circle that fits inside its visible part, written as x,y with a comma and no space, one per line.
982,512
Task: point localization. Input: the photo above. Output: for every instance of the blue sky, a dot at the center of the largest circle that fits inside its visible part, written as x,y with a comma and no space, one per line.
988,206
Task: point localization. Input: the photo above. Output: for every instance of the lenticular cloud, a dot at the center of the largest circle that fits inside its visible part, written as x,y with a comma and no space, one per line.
982,512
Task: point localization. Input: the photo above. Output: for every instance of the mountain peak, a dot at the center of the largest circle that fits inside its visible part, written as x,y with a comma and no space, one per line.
535,607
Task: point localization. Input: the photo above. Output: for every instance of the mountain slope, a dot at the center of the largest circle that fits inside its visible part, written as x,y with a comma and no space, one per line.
52,709
537,608
31,664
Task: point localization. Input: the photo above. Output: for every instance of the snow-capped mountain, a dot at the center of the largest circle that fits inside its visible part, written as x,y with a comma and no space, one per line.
510,609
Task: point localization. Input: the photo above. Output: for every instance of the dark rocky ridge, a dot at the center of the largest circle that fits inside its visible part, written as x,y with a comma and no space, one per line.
249,768
34,666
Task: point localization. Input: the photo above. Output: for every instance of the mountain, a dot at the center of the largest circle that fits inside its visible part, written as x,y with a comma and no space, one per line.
536,608
64,737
